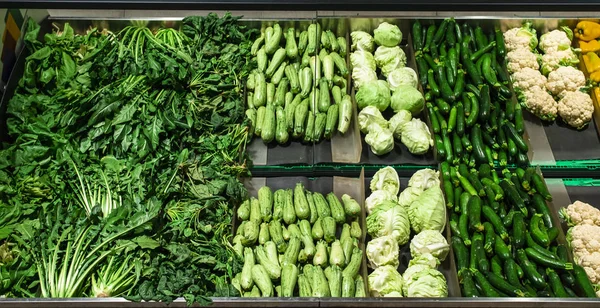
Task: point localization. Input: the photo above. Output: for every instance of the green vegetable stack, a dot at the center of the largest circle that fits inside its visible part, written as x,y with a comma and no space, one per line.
288,238
504,238
299,87
473,116
420,207
373,95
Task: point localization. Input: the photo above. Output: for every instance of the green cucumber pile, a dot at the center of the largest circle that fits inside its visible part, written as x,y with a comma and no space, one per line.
300,85
473,116
288,241
504,238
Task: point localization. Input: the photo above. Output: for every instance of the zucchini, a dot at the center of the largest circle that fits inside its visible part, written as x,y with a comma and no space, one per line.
262,280
337,210
291,49
269,124
281,131
331,122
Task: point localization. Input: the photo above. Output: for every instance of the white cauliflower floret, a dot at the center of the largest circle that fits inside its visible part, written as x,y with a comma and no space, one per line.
585,243
528,78
554,41
580,213
591,265
576,109
565,79
539,102
556,59
520,59
514,42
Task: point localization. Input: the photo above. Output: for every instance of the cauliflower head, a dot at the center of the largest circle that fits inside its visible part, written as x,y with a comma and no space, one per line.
556,59
555,40
565,79
514,40
585,243
539,102
580,213
528,78
520,59
576,109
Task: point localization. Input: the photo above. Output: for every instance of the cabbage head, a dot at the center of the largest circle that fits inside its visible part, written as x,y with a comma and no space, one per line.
386,179
383,251
363,75
389,59
362,41
416,137
424,179
408,98
424,282
377,198
370,115
429,242
385,280
361,58
396,122
425,259
389,218
428,212
387,35
375,93
404,76
408,195
380,139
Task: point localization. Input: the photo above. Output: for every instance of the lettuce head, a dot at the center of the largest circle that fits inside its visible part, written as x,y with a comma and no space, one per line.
386,179
387,35
370,115
363,75
416,137
428,212
403,76
424,282
396,122
385,280
362,58
383,251
362,40
408,195
389,219
424,179
389,58
406,97
375,93
377,198
429,242
379,139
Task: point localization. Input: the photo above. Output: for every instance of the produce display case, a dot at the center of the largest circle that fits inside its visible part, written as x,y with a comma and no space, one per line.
570,159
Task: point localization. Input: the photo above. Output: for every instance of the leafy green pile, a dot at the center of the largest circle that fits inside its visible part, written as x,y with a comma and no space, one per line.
121,172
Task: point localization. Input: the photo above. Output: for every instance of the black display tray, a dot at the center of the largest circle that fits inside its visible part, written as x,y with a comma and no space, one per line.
568,143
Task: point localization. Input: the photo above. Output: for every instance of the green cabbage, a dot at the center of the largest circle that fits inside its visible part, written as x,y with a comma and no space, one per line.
424,282
429,242
428,212
383,251
424,179
389,58
377,198
385,280
396,122
370,115
363,75
389,218
408,195
386,179
380,139
425,259
407,98
362,41
374,93
402,76
416,137
362,58
387,35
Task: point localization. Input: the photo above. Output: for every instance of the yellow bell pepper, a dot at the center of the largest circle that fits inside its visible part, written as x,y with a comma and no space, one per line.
591,46
595,77
587,30
594,62
597,93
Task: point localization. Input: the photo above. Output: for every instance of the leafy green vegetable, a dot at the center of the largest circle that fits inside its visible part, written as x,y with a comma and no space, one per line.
153,122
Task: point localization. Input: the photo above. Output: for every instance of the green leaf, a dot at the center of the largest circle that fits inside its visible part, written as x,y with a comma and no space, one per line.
41,54
146,242
125,115
153,131
102,113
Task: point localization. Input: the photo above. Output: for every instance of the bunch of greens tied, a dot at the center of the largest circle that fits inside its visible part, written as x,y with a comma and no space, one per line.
122,156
